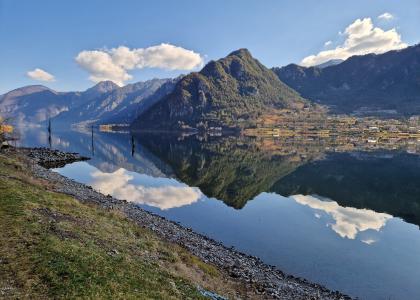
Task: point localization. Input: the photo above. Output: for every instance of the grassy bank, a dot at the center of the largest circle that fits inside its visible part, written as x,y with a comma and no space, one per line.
54,246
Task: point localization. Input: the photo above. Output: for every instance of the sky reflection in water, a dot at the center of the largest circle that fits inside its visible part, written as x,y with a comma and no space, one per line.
167,193
308,236
347,238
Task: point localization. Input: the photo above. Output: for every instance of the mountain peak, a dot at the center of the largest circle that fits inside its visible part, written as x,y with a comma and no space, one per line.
29,89
243,52
231,92
100,88
105,86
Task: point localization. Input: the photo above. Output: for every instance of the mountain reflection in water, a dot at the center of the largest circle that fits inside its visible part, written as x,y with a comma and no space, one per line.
338,218
236,169
165,193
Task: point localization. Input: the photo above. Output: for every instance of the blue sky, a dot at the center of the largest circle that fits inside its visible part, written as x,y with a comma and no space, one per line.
49,35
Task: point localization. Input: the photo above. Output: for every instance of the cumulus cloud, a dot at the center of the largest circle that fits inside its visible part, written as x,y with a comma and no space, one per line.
114,64
41,75
386,16
349,221
164,197
361,37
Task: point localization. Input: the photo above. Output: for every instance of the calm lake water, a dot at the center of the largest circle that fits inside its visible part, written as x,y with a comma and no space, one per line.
347,220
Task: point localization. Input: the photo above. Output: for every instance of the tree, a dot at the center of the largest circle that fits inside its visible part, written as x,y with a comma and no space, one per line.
5,130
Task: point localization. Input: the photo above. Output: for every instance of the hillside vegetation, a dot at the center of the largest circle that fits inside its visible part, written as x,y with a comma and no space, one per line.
231,92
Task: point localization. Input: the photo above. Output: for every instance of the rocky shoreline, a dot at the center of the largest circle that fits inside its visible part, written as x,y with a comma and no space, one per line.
50,158
266,280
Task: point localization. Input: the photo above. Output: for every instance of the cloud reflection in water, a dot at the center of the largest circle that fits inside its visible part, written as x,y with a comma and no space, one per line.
165,196
349,221
166,193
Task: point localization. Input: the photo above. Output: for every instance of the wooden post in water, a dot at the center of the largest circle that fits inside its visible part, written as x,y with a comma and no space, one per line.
49,133
133,145
92,145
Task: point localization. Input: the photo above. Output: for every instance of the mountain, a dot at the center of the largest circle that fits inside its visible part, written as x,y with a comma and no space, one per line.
100,89
118,105
164,90
230,92
331,62
369,84
36,103
105,102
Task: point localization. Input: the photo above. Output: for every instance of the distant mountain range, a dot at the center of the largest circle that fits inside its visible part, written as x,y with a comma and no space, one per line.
119,105
368,84
105,102
231,92
36,103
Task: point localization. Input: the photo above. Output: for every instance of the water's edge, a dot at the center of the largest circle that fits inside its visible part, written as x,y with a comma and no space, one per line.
264,279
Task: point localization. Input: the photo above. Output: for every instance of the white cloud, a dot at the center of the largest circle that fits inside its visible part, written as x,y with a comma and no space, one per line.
369,241
361,38
114,64
164,197
101,67
386,16
349,221
327,43
41,75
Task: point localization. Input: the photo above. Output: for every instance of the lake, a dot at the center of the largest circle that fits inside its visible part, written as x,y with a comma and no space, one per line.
347,219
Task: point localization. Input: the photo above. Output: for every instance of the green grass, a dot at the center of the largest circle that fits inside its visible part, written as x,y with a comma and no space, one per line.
56,247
